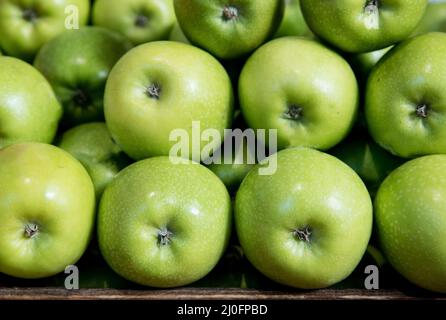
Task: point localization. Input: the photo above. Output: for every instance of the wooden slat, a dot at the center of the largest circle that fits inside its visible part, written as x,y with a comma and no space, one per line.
205,294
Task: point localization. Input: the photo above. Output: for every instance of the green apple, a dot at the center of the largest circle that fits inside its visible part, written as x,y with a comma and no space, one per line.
293,22
434,18
26,25
371,162
229,29
162,86
405,99
307,225
77,64
138,20
411,221
304,90
162,224
93,146
363,25
29,110
47,210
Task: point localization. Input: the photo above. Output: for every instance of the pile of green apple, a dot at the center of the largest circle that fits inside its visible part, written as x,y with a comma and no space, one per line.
355,89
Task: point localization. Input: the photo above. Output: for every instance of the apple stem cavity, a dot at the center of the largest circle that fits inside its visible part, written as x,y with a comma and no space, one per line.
371,11
230,13
293,113
141,20
422,111
30,15
31,230
81,98
154,91
303,234
164,237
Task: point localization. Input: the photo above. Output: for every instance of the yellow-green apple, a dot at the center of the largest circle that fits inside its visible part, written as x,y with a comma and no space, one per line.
93,146
77,64
163,86
405,98
411,221
47,210
311,96
162,224
139,21
29,110
307,225
229,29
26,25
363,25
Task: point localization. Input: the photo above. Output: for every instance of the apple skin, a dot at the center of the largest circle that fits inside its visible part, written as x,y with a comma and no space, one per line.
77,64
371,162
177,34
293,22
344,24
29,110
43,185
310,189
155,195
411,221
310,96
92,145
405,98
246,25
434,18
139,21
193,87
27,25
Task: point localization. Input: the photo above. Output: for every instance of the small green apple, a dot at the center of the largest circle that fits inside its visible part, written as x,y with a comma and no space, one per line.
411,221
29,110
77,64
162,86
307,225
139,21
27,25
304,90
363,25
405,98
434,18
162,224
371,162
229,29
93,146
47,210
293,22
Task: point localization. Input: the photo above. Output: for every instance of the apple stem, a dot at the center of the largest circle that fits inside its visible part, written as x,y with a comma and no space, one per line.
31,230
141,21
30,15
422,111
230,13
372,14
293,113
304,234
164,237
154,91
